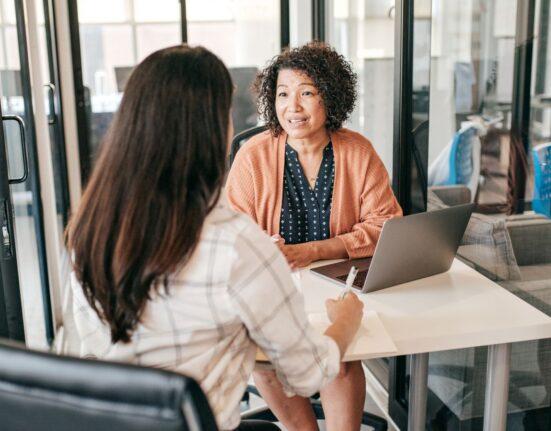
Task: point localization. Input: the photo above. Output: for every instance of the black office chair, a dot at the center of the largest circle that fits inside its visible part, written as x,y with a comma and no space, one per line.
374,421
41,391
242,137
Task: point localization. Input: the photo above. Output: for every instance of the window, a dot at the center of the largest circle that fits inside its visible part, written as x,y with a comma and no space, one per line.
115,35
475,154
363,32
245,35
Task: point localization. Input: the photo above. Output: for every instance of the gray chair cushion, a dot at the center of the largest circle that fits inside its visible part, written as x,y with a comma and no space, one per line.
531,238
486,244
451,195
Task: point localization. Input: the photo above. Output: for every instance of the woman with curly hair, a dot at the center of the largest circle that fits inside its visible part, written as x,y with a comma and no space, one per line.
319,189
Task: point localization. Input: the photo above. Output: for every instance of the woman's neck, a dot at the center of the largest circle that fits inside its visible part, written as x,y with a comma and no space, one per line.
311,145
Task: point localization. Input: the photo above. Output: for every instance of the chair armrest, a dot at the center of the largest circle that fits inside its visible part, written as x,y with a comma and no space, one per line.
531,238
453,194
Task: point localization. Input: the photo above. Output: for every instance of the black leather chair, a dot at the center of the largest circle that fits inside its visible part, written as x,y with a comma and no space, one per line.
374,421
239,139
41,391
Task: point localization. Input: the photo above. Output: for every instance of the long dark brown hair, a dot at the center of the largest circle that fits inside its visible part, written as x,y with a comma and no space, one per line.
158,175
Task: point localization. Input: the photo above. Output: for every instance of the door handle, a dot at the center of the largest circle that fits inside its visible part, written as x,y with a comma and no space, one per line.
51,102
6,232
21,125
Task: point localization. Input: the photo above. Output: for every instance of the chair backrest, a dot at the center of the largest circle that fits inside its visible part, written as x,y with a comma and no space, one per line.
541,200
239,139
41,391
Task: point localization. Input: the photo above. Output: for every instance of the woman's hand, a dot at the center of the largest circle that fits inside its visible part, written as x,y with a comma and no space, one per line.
278,240
299,255
349,309
346,317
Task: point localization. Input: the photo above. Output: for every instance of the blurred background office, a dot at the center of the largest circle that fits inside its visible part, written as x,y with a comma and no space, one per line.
454,95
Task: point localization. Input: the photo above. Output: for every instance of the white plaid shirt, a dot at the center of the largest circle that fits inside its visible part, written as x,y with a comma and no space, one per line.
235,293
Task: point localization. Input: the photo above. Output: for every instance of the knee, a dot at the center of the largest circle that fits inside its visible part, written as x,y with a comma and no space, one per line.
266,377
350,370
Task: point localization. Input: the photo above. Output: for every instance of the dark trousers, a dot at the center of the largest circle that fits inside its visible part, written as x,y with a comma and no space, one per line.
255,425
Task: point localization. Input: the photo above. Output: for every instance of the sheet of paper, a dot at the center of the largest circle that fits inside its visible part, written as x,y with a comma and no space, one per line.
372,339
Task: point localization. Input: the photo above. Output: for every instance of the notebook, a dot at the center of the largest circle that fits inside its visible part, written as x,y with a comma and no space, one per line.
372,339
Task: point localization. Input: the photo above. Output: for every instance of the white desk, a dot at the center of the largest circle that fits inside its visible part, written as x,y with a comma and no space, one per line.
455,310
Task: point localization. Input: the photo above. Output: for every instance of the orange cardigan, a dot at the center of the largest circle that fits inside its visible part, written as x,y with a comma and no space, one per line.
362,198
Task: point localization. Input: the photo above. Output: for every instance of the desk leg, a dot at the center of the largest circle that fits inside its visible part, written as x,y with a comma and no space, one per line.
417,410
497,387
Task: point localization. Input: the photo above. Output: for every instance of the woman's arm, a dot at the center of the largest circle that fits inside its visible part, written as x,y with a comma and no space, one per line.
269,305
300,255
377,205
239,187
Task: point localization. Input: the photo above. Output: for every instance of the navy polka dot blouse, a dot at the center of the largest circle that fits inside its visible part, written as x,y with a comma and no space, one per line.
305,212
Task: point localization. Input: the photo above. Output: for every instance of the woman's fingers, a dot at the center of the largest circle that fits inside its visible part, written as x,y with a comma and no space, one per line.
289,255
278,237
297,255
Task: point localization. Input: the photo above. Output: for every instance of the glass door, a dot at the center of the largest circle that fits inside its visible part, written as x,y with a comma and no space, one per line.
27,146
22,201
11,315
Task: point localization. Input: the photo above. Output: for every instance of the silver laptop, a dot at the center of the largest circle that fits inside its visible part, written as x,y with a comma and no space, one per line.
409,248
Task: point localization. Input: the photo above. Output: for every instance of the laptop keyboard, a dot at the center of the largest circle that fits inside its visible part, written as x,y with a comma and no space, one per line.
358,281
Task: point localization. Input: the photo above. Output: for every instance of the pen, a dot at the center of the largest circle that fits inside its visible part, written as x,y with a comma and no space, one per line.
349,280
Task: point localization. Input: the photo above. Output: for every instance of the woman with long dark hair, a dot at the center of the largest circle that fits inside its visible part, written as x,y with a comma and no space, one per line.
166,275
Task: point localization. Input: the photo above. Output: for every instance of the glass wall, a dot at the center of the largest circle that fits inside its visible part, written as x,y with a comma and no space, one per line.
300,22
472,85
115,35
470,143
479,153
231,29
364,33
